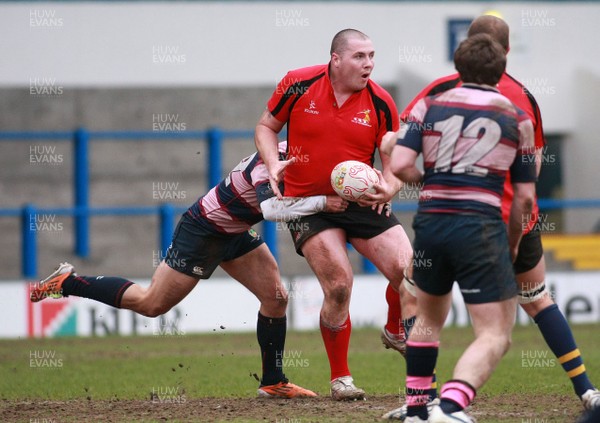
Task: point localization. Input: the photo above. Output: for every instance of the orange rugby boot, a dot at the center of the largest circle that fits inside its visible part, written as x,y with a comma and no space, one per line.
284,389
52,285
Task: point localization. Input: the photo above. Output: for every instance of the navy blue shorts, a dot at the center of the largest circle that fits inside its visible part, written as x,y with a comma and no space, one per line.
356,221
197,252
470,249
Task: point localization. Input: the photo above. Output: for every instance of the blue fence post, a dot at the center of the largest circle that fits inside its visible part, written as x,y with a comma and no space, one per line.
215,156
368,267
29,241
270,236
167,215
81,181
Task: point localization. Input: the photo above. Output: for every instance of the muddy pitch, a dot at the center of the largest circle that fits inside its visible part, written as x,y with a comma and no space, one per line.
503,408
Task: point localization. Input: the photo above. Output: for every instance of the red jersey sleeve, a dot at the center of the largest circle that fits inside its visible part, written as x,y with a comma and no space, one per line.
388,116
293,85
539,138
406,112
280,97
439,85
524,100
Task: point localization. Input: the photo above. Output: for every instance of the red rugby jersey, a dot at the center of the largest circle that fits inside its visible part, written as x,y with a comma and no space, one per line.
321,134
520,97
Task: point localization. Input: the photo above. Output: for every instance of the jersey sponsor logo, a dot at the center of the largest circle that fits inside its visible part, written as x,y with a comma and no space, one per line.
312,108
363,118
197,270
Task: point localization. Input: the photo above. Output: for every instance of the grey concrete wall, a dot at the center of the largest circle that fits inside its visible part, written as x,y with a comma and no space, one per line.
121,172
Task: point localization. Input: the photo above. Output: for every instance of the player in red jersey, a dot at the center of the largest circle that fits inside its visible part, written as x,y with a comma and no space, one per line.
214,231
335,112
529,265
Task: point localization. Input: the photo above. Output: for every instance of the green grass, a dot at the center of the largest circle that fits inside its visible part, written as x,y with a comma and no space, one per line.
223,364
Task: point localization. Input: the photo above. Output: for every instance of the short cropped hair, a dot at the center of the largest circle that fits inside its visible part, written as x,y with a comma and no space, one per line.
493,26
340,40
480,59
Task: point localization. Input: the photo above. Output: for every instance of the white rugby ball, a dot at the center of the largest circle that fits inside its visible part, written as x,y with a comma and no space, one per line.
352,179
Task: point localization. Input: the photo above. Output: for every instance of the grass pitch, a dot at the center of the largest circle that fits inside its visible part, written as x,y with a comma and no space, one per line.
213,377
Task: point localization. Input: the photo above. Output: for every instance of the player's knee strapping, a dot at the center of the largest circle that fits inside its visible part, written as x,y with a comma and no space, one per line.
409,284
532,295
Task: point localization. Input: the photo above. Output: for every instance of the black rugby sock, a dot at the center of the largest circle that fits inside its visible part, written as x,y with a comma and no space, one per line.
408,324
271,332
105,289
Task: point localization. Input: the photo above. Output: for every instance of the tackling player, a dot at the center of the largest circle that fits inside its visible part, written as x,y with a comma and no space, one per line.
214,231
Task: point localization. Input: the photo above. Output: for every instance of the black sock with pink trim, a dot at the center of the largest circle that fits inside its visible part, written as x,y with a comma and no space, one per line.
420,365
456,395
105,289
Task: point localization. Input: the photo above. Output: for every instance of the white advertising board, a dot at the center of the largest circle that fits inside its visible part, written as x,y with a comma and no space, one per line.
221,304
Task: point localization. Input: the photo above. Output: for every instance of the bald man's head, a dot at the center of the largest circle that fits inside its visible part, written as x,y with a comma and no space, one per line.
340,40
493,26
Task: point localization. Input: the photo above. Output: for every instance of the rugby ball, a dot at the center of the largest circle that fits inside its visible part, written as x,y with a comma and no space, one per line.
351,179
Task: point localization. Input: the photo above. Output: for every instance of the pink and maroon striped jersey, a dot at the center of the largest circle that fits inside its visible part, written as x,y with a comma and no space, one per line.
233,206
471,137
520,97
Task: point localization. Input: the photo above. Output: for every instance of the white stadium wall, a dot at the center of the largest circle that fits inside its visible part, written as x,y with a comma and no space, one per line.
254,43
71,45
581,153
249,46
221,305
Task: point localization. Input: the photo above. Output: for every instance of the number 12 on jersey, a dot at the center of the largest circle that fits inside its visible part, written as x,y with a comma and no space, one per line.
485,131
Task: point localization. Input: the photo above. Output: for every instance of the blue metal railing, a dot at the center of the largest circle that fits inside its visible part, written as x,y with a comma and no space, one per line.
28,213
167,214
81,210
